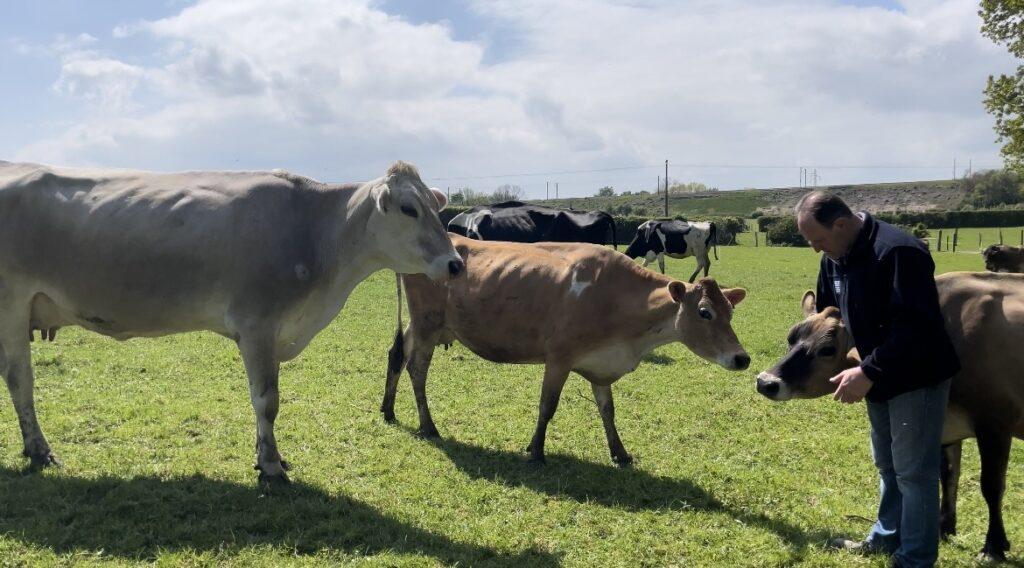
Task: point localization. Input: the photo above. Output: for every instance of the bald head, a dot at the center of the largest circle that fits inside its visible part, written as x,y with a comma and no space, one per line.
827,223
824,207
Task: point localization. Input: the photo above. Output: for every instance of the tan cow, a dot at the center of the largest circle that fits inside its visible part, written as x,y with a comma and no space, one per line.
570,306
264,258
984,314
1004,258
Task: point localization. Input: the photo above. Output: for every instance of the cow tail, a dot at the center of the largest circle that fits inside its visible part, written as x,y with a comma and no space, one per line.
397,352
714,239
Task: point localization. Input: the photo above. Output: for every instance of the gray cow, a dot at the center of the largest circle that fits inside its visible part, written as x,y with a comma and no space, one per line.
264,258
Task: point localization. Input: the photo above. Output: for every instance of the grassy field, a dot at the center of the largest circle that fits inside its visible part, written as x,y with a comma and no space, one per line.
156,437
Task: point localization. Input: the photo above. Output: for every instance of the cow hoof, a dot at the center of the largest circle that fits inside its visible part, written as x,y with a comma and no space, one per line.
623,461
990,558
389,417
40,461
428,433
270,483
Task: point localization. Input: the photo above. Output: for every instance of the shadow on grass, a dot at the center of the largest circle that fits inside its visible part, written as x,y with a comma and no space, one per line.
658,359
626,488
143,517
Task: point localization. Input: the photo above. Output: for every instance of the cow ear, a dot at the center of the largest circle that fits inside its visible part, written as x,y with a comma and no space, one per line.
734,295
808,303
442,199
677,290
382,197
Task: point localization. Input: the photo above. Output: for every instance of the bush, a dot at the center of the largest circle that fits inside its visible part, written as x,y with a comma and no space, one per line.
993,188
783,233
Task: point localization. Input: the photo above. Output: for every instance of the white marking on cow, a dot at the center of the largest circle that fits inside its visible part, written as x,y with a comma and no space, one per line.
474,222
578,286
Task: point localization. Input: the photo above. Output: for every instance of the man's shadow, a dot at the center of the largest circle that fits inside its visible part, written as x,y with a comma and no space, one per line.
144,517
630,489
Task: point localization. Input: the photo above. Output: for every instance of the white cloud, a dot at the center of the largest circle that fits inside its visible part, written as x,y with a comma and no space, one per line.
339,89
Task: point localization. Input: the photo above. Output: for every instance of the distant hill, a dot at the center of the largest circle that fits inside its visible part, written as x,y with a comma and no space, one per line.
902,196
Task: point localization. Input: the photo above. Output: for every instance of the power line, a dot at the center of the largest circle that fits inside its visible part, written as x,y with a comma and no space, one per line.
703,166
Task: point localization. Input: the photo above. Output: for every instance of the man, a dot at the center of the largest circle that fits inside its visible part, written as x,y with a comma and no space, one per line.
882,281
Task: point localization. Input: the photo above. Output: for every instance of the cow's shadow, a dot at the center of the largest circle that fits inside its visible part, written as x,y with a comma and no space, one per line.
630,489
143,517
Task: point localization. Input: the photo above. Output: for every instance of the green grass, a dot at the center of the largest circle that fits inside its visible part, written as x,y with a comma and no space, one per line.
156,436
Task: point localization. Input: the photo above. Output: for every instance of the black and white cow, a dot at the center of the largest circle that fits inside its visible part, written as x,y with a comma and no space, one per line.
678,239
525,223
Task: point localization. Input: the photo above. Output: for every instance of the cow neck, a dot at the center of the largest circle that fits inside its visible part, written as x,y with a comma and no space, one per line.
352,258
656,324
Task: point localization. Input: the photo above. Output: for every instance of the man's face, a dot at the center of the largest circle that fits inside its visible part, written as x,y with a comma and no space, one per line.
832,241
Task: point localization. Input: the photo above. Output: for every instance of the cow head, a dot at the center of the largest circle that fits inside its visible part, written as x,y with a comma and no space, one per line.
703,321
819,348
644,241
405,226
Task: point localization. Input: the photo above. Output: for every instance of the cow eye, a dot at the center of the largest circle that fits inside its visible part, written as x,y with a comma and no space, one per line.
827,351
410,211
704,313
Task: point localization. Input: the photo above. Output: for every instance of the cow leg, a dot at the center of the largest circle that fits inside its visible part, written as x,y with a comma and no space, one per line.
263,369
695,273
606,407
550,393
707,265
16,365
995,453
661,262
949,478
649,258
397,358
419,365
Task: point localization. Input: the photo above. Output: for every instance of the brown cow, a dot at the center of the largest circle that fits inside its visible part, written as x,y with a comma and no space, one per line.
1004,258
984,314
571,306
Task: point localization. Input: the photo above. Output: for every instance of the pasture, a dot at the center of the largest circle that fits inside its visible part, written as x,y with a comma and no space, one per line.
156,440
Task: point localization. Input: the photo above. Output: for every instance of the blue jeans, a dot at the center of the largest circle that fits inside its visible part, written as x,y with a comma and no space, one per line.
906,439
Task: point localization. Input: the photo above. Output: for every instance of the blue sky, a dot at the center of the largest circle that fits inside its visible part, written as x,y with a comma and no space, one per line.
734,93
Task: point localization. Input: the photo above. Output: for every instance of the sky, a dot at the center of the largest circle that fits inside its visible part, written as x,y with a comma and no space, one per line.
582,93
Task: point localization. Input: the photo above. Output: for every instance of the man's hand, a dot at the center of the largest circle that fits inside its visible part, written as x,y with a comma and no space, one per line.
853,384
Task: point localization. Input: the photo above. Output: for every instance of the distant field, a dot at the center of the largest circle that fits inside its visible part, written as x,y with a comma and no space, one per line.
904,196
157,440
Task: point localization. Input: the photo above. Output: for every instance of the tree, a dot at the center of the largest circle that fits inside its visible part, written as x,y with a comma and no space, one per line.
507,192
991,188
1003,23
606,191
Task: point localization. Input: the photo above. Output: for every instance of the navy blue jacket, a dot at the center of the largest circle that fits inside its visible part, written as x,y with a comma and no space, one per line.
885,289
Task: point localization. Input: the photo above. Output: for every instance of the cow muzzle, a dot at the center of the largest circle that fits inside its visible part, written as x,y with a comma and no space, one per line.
772,387
446,268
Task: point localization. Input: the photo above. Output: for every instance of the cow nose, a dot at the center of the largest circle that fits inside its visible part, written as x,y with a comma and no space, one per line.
455,267
767,388
742,361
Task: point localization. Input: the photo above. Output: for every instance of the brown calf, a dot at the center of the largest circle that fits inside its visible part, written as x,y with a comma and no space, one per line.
984,314
570,306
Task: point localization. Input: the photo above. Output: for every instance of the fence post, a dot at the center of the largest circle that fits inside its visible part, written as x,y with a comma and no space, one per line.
939,245
755,239
979,240
1000,237
947,243
956,237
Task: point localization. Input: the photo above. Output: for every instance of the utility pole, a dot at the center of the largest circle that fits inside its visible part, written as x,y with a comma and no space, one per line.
556,190
657,188
970,169
547,190
954,169
666,188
